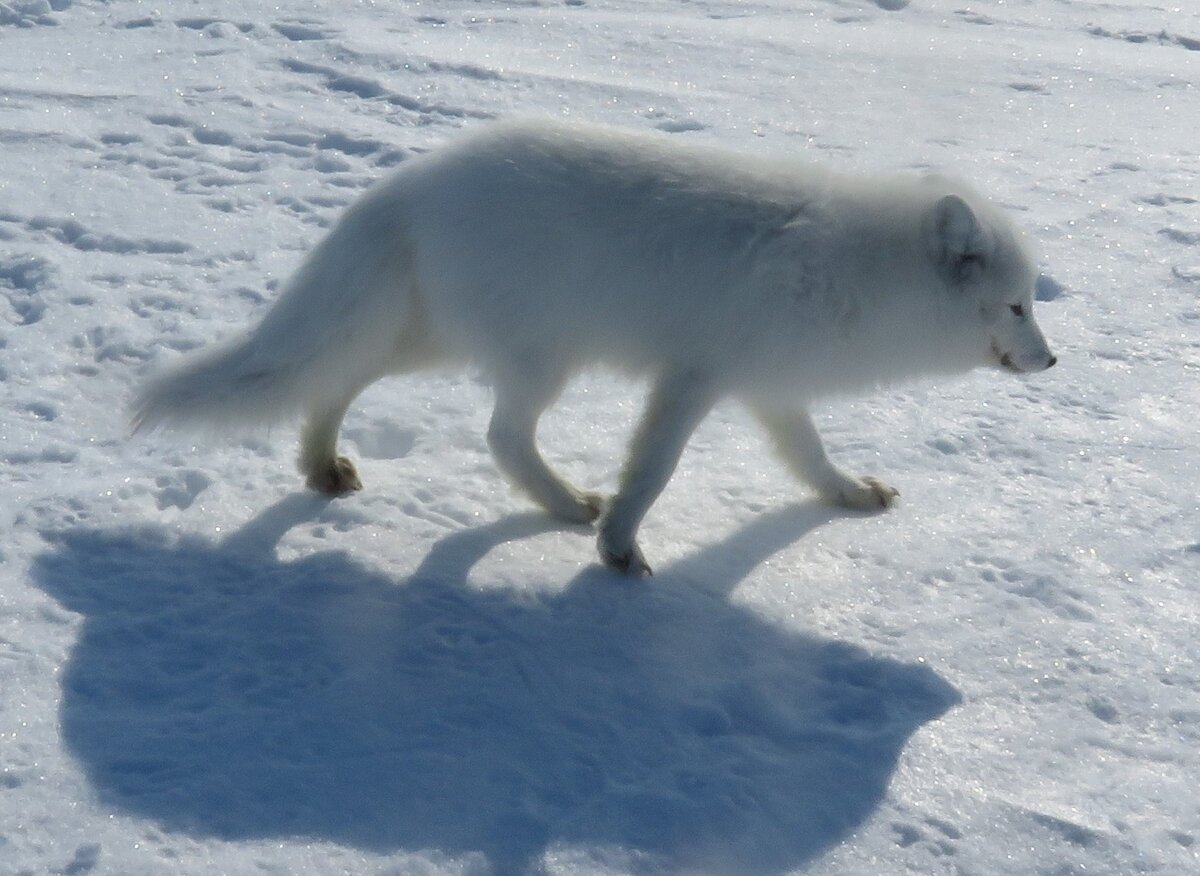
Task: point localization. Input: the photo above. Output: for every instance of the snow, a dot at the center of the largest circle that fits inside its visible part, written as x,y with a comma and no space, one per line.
204,669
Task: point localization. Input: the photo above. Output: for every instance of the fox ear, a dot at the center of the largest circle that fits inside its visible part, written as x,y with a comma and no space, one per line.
956,240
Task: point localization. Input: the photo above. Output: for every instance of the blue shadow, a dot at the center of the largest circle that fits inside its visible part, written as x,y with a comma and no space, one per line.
221,692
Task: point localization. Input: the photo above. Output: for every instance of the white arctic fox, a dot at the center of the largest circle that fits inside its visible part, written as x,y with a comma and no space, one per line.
534,249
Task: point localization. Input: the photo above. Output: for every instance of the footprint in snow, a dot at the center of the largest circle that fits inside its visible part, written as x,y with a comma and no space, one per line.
297,32
180,490
382,439
679,126
1048,289
1177,235
22,279
29,13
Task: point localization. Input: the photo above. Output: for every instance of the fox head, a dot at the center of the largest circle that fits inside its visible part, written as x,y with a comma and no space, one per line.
989,277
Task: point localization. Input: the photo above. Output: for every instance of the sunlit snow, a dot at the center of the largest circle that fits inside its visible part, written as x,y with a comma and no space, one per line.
205,669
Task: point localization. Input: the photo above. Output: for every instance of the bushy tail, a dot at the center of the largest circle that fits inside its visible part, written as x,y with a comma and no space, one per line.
334,329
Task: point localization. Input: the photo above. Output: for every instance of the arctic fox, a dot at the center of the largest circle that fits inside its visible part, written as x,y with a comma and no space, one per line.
533,249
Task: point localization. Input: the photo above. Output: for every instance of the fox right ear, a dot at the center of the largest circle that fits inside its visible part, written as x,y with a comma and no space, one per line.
956,240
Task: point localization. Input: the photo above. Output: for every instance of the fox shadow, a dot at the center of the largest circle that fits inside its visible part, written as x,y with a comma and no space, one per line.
224,693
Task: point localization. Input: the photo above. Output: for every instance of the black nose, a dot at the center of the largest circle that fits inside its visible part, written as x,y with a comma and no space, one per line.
1051,363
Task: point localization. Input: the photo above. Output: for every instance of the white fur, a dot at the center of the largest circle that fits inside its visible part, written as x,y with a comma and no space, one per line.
534,249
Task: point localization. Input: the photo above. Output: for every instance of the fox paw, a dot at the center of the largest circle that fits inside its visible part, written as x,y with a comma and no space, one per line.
336,478
585,509
865,494
628,561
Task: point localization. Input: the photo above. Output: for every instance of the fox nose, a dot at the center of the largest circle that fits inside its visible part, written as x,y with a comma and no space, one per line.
1053,361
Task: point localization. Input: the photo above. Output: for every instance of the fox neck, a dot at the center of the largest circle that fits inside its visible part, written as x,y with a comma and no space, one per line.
889,343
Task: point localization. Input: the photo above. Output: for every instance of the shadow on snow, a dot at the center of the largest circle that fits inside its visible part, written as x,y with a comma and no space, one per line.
227,694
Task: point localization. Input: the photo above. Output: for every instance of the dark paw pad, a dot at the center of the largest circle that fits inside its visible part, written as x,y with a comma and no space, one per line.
336,479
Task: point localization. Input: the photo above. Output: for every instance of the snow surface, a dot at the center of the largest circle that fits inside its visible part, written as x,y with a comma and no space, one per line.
203,669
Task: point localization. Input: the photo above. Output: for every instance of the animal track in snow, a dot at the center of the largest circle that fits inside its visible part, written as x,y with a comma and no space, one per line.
1176,235
43,411
937,842
29,13
1162,199
467,71
181,489
108,344
972,17
169,120
1074,833
119,139
1162,38
369,89
906,834
73,233
214,162
1104,710
212,136
54,454
85,859
138,23
1186,274
22,278
1048,289
1066,602
298,32
679,126
208,25
382,439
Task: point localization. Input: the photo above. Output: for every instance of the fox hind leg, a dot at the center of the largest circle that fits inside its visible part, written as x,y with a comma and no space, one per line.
324,470
521,397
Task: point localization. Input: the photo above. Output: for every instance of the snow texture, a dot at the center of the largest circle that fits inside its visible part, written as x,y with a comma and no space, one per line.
206,670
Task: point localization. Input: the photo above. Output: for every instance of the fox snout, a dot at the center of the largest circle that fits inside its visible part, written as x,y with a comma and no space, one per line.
1007,362
1018,344
1023,351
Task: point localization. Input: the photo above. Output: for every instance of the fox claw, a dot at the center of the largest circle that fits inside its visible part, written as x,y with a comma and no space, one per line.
885,494
866,494
336,479
588,509
632,562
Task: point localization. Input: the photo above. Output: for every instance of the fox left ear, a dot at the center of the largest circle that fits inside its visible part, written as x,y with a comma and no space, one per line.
957,242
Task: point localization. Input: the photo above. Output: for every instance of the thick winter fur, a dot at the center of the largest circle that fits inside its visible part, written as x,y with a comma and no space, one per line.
533,249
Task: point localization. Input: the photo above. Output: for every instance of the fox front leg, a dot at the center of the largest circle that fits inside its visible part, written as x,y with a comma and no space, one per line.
796,439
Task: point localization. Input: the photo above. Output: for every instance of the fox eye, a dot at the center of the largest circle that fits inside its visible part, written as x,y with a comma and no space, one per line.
1017,309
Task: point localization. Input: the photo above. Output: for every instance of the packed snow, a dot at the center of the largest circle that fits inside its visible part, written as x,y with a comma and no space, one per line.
205,669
